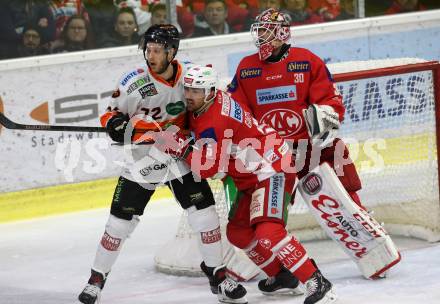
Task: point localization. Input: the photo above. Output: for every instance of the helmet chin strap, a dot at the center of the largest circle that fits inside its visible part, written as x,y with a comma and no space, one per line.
206,104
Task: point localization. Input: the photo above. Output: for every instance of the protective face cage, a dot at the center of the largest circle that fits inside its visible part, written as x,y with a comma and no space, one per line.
270,25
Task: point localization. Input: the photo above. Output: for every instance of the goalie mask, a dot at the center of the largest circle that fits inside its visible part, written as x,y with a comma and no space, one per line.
270,25
202,77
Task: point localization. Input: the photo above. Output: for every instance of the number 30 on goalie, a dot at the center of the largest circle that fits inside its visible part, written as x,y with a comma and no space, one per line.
361,236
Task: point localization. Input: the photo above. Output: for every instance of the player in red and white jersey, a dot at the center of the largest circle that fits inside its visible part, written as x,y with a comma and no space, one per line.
291,90
148,99
230,141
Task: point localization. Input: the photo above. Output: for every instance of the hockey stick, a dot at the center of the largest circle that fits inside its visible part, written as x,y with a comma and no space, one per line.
9,124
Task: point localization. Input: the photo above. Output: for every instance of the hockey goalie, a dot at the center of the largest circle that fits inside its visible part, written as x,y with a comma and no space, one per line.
291,90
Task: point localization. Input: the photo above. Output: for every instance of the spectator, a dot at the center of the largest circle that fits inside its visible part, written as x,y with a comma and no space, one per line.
215,14
266,4
77,35
404,6
327,9
347,10
100,15
9,35
250,4
124,31
31,42
158,14
141,10
36,12
62,10
300,13
262,6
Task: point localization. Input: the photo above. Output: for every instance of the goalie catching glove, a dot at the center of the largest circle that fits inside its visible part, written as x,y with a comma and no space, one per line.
173,142
322,124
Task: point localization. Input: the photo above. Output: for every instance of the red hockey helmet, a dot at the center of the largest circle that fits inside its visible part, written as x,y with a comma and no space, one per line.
270,25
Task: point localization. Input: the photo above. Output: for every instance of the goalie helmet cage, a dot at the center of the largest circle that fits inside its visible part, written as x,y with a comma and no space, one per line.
391,126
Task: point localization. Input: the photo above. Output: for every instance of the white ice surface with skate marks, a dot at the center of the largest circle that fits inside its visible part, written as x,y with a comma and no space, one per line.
48,260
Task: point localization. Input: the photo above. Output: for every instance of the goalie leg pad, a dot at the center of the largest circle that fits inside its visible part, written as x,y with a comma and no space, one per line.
360,236
116,232
207,224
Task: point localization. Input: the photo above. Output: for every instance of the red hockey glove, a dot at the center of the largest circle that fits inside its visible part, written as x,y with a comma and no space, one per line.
173,142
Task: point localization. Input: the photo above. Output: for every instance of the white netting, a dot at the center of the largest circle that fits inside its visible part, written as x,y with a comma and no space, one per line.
181,256
396,114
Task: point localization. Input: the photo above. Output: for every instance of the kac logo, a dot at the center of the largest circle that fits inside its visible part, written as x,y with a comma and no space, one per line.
285,122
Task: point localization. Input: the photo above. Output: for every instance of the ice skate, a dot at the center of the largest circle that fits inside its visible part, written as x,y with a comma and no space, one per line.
226,289
283,283
319,290
91,294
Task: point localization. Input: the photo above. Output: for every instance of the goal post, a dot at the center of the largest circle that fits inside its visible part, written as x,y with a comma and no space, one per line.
391,126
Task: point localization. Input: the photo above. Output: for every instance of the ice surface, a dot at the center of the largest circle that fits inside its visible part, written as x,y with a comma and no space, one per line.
48,261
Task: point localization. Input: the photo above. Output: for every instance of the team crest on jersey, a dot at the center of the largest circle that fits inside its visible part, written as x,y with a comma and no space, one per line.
137,84
276,94
148,90
298,66
286,122
236,111
250,73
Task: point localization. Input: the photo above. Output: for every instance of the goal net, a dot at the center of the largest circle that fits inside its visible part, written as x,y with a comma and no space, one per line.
390,126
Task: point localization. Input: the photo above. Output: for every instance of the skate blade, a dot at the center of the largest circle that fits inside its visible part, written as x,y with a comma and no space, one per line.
330,297
232,301
285,292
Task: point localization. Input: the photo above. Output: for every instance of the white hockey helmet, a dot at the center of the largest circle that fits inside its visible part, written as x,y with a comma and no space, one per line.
270,25
202,77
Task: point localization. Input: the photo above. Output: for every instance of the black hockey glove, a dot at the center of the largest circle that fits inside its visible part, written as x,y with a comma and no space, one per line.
116,127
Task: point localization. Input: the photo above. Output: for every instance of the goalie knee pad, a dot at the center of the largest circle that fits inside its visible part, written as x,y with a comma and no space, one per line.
116,232
206,222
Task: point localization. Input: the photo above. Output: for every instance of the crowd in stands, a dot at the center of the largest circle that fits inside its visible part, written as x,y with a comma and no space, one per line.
36,27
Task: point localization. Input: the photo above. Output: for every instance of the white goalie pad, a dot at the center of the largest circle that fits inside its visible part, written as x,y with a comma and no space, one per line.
361,236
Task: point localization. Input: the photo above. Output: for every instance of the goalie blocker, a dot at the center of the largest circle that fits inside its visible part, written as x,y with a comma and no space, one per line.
361,236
